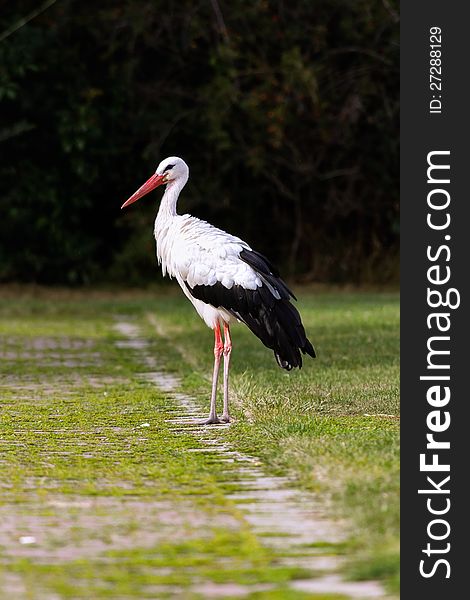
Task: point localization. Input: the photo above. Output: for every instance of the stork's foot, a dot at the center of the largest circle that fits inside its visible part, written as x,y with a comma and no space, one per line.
211,421
225,418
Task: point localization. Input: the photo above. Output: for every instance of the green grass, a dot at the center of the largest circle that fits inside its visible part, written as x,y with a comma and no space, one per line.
71,427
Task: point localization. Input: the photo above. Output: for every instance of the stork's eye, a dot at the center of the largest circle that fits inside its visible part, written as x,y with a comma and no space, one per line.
168,167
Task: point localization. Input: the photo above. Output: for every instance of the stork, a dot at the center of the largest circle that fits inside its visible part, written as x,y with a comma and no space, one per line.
225,280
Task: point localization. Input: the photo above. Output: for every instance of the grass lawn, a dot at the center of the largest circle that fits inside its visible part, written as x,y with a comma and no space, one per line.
80,473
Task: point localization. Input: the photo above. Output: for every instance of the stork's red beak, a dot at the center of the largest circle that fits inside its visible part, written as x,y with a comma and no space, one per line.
148,186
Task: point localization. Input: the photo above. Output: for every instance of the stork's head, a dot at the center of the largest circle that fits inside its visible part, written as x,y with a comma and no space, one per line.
172,170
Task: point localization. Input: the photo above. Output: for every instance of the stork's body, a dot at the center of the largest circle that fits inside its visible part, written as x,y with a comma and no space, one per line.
224,279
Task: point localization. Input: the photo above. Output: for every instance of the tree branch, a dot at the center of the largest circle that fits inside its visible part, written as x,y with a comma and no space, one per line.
32,15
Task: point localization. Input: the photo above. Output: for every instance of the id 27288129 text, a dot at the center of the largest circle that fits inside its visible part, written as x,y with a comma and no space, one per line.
435,70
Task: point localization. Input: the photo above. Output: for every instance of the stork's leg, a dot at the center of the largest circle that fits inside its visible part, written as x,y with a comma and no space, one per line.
227,352
218,349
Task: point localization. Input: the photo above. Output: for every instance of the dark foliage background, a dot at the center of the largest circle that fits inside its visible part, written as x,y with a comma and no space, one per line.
287,113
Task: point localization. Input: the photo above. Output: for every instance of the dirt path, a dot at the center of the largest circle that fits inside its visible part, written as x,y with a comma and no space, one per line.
286,519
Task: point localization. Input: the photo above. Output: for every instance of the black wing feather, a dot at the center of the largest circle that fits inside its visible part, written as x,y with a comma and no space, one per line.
264,267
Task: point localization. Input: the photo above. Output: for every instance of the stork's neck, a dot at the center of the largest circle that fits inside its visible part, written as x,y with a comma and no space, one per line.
166,214
168,202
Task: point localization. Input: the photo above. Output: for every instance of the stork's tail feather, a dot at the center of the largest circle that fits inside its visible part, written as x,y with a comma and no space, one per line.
288,366
280,328
289,339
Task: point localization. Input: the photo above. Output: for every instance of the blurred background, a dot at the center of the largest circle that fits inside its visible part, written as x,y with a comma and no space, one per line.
286,112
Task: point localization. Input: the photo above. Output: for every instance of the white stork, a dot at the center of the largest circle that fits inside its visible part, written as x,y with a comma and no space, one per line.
224,279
